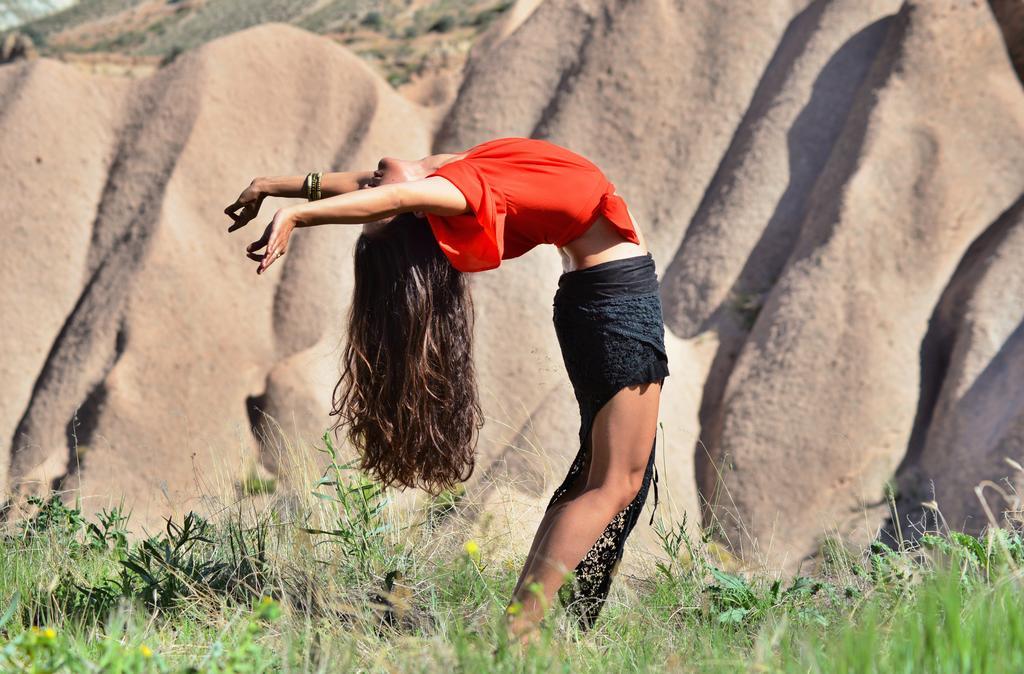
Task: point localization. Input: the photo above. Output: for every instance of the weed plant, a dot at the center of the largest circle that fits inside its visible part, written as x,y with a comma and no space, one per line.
340,584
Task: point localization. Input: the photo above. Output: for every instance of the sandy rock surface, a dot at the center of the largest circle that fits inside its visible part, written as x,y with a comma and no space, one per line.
831,190
971,412
166,333
819,408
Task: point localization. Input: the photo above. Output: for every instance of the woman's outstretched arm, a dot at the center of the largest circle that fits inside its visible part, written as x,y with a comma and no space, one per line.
331,184
430,195
247,205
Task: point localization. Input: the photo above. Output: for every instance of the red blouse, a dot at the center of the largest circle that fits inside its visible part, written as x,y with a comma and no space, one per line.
523,192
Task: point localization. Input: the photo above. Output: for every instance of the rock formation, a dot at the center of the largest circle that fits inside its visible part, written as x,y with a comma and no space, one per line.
831,190
142,335
821,223
823,395
16,46
971,411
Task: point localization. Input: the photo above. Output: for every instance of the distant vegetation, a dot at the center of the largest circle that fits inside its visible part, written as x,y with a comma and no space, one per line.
335,582
399,40
19,11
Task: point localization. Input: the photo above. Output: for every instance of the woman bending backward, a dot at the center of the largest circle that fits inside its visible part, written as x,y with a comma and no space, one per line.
407,393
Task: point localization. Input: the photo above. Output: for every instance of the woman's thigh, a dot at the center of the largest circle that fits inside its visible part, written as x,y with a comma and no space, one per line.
622,436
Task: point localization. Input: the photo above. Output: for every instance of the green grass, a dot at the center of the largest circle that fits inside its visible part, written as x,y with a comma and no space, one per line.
342,584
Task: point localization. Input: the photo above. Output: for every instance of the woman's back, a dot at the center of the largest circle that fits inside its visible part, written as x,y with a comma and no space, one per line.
523,192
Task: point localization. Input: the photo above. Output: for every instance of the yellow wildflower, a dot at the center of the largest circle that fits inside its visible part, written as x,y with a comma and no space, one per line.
50,633
146,653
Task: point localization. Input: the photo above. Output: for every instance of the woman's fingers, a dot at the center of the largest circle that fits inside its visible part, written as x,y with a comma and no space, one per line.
268,260
250,204
241,219
275,240
230,210
274,250
259,257
260,242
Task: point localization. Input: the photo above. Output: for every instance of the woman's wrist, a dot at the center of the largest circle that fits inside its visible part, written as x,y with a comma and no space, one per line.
282,186
296,216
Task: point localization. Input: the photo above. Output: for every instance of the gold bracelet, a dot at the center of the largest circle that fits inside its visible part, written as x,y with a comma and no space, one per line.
306,185
311,186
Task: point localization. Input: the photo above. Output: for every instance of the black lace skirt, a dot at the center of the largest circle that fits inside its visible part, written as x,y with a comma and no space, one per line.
611,332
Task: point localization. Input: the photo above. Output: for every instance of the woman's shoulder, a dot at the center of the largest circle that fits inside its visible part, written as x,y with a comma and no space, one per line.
512,153
526,171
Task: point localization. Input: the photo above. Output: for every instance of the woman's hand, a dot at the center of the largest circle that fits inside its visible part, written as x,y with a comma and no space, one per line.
275,238
249,201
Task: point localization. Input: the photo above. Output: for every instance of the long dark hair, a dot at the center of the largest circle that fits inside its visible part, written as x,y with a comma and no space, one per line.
407,392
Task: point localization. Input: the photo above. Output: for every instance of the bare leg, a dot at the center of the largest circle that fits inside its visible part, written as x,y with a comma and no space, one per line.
553,512
621,440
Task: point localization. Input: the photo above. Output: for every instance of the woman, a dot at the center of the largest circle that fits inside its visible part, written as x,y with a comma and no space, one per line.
408,392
